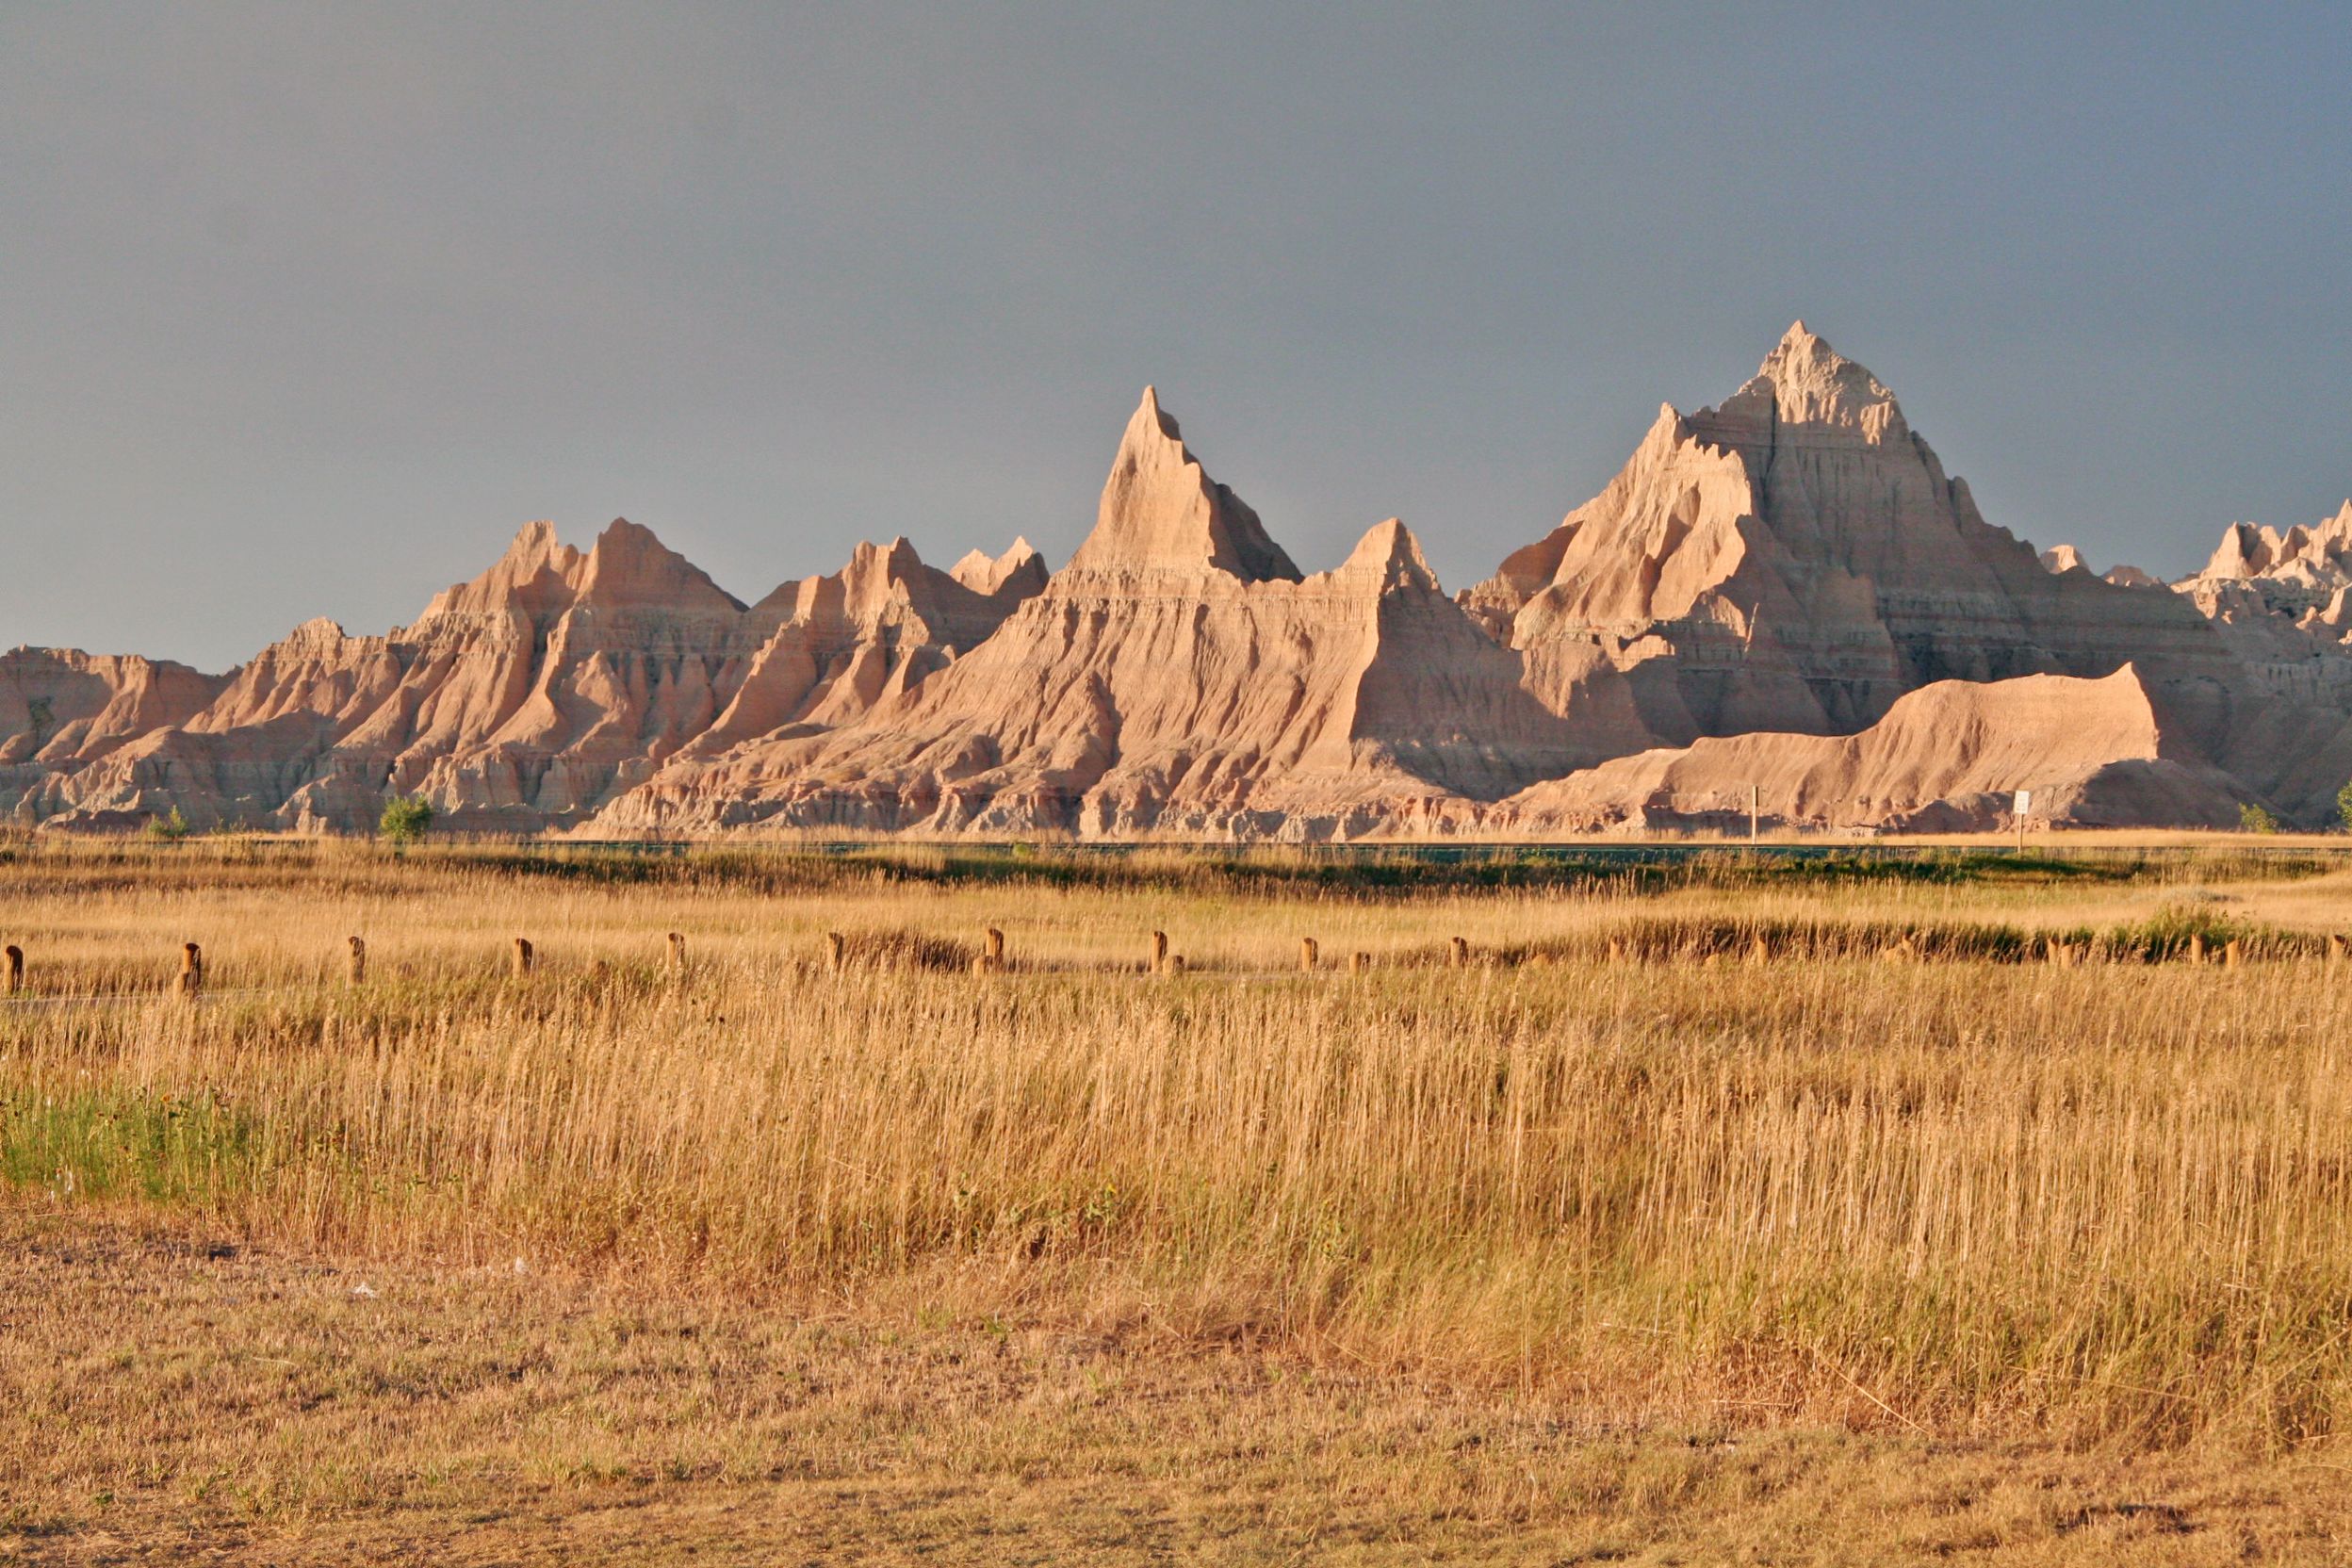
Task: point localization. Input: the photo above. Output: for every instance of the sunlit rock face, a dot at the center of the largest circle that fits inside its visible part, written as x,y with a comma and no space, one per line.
1785,592
529,696
1179,676
1947,758
1796,559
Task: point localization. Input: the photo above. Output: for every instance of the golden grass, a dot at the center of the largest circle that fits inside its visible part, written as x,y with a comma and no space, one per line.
177,1393
1975,1195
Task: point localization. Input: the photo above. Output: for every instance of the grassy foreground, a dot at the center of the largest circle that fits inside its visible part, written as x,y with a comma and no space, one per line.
1701,1205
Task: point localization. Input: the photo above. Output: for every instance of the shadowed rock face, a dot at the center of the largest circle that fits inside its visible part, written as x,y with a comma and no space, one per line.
1796,559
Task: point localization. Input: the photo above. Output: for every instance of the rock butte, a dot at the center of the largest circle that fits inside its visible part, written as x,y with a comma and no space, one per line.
1785,592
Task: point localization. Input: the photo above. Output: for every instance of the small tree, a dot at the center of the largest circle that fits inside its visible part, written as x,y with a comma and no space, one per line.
168,830
405,820
2343,806
2255,818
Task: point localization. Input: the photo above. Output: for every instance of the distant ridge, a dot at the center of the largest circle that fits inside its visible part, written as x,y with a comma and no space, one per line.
1785,591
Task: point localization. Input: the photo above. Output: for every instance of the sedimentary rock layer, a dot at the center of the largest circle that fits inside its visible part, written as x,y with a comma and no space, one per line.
1785,590
1179,676
1949,757
1796,559
522,699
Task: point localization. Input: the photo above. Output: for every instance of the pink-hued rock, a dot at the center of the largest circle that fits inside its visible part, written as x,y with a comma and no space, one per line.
873,629
1949,757
527,696
1177,676
60,708
1019,569
1786,589
1796,559
2277,602
1163,523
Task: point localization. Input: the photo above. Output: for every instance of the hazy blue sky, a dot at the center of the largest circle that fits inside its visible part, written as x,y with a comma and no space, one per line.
306,308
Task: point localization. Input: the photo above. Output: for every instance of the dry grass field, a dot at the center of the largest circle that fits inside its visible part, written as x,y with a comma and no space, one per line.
1850,1211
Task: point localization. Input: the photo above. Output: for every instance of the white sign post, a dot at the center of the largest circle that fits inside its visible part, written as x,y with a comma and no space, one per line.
2024,803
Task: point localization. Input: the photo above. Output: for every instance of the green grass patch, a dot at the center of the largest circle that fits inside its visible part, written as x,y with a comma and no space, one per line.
165,1147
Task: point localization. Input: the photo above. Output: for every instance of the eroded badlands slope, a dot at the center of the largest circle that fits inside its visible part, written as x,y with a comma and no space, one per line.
1784,592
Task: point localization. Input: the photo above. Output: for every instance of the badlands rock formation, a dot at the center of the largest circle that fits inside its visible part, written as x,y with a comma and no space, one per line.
526,697
1947,758
60,709
1796,559
2279,597
1179,676
2062,559
1785,591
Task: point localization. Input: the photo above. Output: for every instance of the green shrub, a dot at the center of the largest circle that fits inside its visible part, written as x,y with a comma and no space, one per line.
2256,819
405,820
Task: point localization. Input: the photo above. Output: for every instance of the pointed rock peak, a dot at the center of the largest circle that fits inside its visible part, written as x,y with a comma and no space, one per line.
535,574
2335,534
1161,419
630,568
895,559
878,573
1161,513
1665,431
1805,382
1800,342
1390,554
985,574
2245,550
2060,558
534,540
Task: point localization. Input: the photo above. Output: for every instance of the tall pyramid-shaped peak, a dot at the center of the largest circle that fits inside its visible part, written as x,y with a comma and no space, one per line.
1161,513
1806,384
632,569
1390,554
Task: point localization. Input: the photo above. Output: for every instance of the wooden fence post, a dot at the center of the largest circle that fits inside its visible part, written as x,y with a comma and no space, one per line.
191,982
677,955
835,946
1159,951
357,970
1461,953
524,957
15,956
1309,953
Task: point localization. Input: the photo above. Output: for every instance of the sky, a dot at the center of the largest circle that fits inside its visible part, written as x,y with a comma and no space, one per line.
305,310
